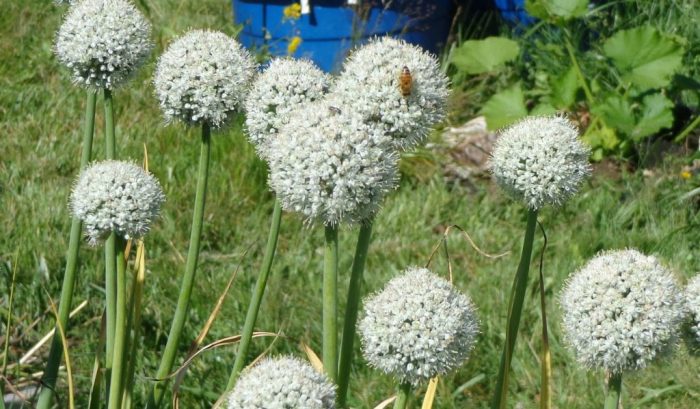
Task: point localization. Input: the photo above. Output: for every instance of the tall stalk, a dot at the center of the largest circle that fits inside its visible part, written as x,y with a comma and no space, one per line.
183,301
110,247
402,396
258,293
351,309
54,359
612,398
330,303
515,308
118,362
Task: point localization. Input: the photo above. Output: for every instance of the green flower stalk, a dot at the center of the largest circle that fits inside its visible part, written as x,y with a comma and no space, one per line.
351,310
119,360
202,79
402,396
258,293
614,392
183,300
538,161
72,261
284,86
330,303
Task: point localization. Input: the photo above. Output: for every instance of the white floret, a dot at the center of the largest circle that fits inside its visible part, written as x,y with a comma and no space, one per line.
419,326
540,161
330,166
286,85
115,196
621,310
370,84
203,77
103,42
282,383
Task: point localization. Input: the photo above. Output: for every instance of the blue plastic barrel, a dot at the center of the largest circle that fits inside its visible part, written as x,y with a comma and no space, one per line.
513,11
333,27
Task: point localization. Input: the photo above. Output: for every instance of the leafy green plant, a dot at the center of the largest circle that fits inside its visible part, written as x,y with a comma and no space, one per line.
623,84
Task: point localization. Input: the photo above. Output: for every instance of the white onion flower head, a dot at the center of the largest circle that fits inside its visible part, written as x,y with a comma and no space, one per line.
621,310
282,383
203,77
103,42
417,327
370,83
115,196
329,165
283,87
540,160
692,301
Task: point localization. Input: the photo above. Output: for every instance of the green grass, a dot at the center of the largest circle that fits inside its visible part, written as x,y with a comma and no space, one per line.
40,117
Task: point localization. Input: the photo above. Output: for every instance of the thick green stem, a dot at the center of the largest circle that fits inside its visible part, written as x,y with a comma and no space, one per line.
515,308
183,301
612,398
330,303
134,324
258,293
69,276
110,139
118,362
402,396
110,304
353,305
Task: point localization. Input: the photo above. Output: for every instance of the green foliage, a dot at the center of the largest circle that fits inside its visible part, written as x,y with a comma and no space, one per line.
487,55
624,84
554,9
645,57
505,107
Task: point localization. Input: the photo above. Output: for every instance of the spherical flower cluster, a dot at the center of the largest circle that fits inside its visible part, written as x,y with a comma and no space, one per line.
418,327
397,85
621,310
692,301
282,383
285,85
330,166
540,161
116,196
103,42
203,77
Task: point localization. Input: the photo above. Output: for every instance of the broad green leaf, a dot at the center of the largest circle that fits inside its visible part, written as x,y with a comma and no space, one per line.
646,57
505,107
655,115
552,9
617,113
564,89
487,55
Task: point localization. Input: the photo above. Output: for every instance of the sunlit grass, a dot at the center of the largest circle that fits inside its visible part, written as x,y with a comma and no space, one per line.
40,128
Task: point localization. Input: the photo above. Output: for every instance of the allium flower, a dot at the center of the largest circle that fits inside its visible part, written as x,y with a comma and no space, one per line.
103,42
203,77
329,165
692,301
621,310
286,85
408,104
540,161
417,327
281,383
116,196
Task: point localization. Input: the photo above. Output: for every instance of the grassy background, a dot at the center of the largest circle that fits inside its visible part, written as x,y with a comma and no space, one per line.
40,118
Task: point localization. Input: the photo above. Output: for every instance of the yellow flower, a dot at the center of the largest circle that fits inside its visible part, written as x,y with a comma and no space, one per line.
293,11
686,174
293,45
